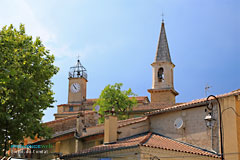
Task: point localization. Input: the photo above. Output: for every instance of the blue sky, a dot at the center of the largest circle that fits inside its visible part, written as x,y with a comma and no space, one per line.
117,42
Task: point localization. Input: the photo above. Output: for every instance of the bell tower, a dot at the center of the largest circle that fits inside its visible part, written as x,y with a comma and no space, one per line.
162,91
77,83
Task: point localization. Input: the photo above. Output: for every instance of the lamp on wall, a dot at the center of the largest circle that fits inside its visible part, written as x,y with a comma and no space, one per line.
208,119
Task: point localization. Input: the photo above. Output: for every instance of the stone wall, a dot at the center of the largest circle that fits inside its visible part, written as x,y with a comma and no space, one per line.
231,127
193,131
133,129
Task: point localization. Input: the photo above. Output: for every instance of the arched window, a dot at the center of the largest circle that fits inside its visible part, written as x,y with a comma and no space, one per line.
160,75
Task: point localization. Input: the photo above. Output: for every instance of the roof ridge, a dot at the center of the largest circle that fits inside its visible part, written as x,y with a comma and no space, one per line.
134,136
146,138
130,119
60,119
193,102
122,121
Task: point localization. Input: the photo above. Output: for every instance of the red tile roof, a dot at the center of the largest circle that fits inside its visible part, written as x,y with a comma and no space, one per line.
152,140
151,107
121,123
60,120
140,99
90,130
191,103
68,117
161,142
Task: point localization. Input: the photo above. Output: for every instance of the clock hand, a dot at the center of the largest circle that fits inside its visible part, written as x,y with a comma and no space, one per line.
74,86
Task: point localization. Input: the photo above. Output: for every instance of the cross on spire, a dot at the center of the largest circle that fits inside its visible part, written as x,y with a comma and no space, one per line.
78,57
162,17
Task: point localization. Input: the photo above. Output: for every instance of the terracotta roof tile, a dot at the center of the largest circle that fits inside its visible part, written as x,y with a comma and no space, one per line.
103,148
68,117
152,106
60,120
140,99
121,123
189,104
93,130
75,112
147,140
158,141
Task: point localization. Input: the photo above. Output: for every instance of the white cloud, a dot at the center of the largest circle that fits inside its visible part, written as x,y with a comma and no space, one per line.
19,11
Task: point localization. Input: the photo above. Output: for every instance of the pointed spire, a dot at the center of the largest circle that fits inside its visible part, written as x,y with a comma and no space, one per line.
163,54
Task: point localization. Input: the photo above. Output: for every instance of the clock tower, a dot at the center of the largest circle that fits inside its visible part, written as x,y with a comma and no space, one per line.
77,84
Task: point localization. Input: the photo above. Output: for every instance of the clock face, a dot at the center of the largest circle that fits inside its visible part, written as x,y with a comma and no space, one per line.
75,87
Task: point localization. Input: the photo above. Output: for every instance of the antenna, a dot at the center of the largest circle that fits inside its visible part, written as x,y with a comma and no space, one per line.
207,87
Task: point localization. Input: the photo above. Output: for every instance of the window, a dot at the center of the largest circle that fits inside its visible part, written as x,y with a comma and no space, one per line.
70,108
160,75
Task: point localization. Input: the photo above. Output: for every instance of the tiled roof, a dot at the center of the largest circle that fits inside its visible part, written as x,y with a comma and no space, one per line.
130,121
93,130
68,117
152,140
152,106
140,99
57,134
191,103
60,120
75,112
162,142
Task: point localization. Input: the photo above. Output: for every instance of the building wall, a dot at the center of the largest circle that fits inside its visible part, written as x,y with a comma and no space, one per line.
194,130
64,125
67,146
231,127
133,129
164,97
237,98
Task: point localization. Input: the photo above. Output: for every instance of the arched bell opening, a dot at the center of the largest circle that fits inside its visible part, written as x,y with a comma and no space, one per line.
161,75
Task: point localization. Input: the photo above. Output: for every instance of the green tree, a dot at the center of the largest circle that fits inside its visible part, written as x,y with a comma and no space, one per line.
26,69
113,98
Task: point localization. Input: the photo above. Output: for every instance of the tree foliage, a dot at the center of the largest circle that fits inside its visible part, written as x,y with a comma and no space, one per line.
26,69
113,98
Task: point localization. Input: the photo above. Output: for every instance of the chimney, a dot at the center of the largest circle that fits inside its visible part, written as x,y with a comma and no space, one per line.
80,124
110,129
79,131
